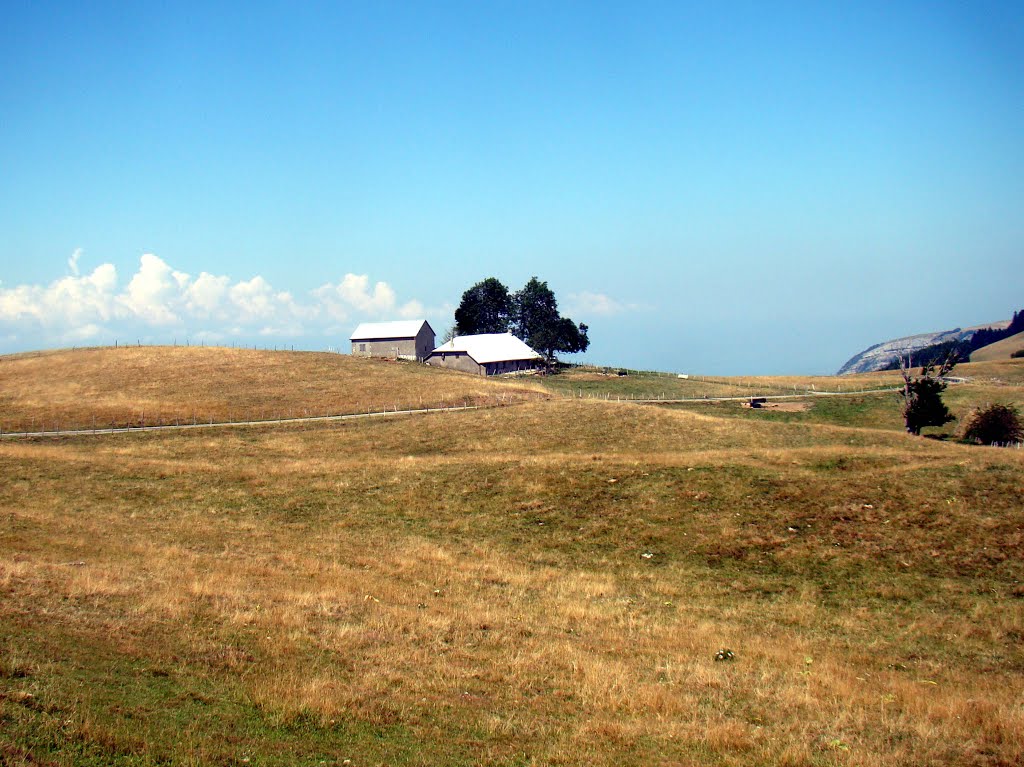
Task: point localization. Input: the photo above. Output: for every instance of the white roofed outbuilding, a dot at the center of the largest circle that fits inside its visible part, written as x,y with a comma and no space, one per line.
398,339
486,354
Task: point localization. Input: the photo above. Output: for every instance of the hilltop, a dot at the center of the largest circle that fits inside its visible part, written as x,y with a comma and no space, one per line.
881,355
545,583
1000,350
965,343
165,384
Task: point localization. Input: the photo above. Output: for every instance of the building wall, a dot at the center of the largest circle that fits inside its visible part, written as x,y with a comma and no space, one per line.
457,361
424,342
510,366
418,348
462,361
385,347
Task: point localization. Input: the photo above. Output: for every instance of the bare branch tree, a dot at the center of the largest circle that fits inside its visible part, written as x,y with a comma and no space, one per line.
922,400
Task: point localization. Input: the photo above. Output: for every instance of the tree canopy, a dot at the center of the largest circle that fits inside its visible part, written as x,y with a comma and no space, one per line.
530,314
485,308
922,395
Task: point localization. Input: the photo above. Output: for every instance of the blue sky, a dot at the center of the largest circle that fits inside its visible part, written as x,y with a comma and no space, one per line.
712,187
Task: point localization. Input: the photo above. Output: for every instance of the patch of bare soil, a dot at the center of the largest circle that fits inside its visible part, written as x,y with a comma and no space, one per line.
789,407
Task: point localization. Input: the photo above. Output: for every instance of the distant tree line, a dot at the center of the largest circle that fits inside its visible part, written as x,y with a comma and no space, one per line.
934,354
531,314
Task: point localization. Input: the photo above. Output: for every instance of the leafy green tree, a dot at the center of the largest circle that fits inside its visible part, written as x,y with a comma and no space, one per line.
537,322
922,395
531,314
485,308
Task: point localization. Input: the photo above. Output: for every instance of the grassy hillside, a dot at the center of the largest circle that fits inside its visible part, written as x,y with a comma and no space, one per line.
132,385
600,383
541,584
1000,350
987,382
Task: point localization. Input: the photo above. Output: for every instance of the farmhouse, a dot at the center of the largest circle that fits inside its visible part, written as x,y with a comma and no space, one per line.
403,339
486,354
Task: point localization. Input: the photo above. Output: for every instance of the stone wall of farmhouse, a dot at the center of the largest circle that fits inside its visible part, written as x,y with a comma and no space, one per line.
387,347
509,366
462,361
424,342
457,361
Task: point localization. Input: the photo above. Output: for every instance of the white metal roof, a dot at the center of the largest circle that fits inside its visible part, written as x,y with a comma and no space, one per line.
490,347
397,329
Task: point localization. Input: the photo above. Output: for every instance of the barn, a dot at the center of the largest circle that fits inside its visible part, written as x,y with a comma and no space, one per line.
486,354
401,339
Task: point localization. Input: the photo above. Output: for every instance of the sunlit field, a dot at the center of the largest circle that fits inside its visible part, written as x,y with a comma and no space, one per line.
149,385
542,583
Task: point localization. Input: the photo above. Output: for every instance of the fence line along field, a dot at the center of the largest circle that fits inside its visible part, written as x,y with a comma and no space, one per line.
544,584
84,388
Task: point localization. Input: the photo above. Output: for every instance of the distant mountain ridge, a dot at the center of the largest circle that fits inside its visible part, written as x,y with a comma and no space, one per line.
882,355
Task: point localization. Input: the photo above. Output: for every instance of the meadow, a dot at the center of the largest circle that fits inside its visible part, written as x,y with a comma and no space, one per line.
542,583
147,385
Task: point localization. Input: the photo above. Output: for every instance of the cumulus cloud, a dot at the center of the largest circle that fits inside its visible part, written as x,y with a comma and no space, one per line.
158,301
154,293
353,296
70,302
205,295
598,304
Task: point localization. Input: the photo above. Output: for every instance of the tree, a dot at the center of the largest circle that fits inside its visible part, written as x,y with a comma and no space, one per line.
922,400
537,322
994,425
531,314
485,308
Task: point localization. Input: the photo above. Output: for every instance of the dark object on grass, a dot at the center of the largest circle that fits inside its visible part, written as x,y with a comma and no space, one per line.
922,394
994,425
724,655
1018,353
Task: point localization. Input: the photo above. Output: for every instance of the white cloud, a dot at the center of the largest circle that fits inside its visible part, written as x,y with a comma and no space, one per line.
154,292
352,297
205,295
353,290
71,301
599,304
159,300
81,333
411,311
253,299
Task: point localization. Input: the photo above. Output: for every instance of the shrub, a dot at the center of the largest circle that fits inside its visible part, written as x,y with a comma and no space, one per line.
994,424
1018,353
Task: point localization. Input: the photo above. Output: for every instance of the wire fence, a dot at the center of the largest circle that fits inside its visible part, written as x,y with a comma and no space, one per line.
174,343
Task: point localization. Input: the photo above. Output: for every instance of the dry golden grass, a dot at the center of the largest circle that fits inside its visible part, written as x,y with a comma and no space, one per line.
545,584
1000,350
159,385
588,383
1000,372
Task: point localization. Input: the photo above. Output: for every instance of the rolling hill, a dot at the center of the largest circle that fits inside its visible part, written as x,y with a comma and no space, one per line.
1000,350
543,583
161,384
882,355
